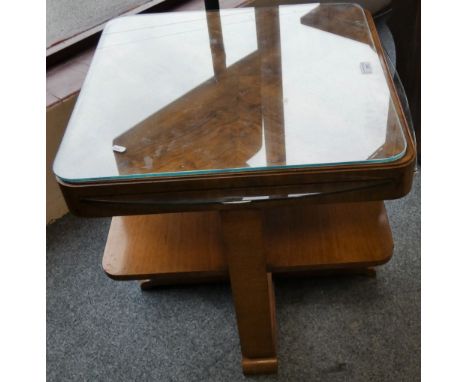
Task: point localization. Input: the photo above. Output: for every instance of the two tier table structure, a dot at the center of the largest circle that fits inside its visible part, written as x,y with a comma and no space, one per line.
239,144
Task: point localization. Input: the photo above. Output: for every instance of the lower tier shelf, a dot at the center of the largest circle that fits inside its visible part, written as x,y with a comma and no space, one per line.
299,238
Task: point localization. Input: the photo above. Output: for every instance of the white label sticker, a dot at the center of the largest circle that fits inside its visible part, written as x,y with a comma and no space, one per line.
119,149
366,68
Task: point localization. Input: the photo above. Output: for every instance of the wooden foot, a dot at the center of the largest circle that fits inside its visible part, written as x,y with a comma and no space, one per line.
259,365
244,247
252,289
146,284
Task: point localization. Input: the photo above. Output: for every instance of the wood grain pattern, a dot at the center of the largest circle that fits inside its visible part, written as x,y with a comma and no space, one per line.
252,289
119,197
296,238
139,246
327,236
341,21
216,129
219,124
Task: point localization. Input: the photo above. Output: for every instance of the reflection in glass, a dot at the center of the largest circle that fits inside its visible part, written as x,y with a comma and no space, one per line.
236,89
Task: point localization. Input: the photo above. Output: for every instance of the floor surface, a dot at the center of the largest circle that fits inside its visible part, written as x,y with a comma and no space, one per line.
66,18
330,329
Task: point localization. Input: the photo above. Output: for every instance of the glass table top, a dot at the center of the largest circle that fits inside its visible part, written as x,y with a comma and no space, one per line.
246,89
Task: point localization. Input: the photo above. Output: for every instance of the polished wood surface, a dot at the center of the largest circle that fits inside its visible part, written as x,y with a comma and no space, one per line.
327,236
220,123
178,193
248,246
139,246
326,186
209,122
210,127
245,226
301,238
341,21
252,289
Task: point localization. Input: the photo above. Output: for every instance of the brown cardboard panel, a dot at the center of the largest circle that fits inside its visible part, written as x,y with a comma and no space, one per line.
57,117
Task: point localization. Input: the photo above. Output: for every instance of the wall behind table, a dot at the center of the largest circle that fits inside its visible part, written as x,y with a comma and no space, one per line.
405,24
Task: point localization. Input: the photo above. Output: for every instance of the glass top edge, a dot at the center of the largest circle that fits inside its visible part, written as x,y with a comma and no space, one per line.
113,178
182,174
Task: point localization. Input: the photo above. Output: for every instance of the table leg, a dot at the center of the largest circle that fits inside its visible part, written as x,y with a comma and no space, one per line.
252,289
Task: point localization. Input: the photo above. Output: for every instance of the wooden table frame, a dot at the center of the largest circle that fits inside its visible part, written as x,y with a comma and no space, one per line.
327,184
247,247
215,226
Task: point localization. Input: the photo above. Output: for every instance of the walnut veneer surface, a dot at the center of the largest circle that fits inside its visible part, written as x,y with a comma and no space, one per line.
296,238
237,90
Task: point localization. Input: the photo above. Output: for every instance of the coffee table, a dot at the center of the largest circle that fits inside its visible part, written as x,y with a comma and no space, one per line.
239,144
